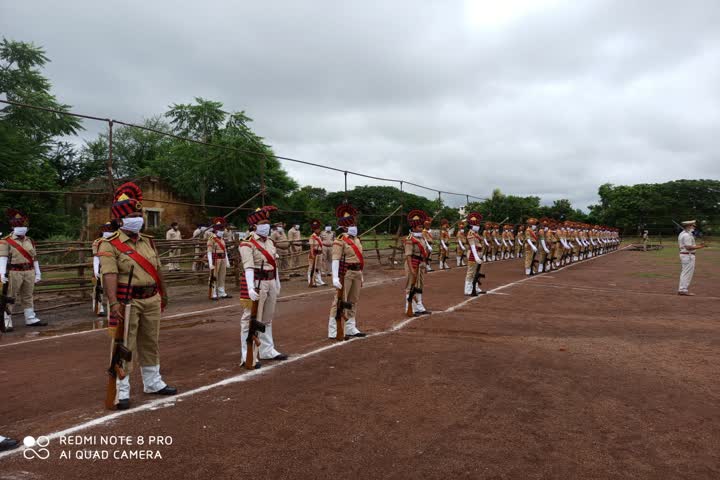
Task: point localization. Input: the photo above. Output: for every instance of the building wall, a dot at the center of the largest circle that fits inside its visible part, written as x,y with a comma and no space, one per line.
154,193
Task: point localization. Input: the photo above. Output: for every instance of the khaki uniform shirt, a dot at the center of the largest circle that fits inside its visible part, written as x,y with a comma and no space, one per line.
315,245
113,261
17,257
280,240
213,247
294,236
252,257
341,248
173,235
327,238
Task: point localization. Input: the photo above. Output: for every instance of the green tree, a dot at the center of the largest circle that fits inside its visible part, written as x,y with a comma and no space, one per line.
32,155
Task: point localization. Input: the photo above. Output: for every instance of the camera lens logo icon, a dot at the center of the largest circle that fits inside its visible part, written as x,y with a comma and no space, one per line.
35,447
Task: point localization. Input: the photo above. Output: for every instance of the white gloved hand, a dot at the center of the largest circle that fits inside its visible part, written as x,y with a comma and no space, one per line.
96,267
227,262
3,278
277,280
38,276
336,274
210,261
253,294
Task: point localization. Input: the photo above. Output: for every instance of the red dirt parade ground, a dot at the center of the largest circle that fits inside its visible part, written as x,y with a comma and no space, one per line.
598,370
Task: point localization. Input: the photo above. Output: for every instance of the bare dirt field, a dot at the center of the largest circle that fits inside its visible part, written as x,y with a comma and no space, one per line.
598,370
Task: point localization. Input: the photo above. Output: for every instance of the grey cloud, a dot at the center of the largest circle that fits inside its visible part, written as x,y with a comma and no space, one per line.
553,103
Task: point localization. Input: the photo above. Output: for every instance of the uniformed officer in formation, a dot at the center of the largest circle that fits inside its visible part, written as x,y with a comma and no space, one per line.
519,241
645,240
173,234
282,245
295,239
328,237
19,266
106,230
260,283
461,248
475,248
127,248
347,270
416,256
315,253
444,243
218,258
427,234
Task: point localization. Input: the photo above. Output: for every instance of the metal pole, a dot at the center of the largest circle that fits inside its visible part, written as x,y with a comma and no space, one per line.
262,178
111,186
345,173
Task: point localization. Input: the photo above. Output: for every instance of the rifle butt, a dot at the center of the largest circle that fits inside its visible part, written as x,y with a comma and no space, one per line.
250,355
111,392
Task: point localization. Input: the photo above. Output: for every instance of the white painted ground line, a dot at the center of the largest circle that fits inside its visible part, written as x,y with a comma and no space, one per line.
168,401
186,314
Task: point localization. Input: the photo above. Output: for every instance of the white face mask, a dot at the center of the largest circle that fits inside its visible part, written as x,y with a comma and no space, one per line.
219,233
352,231
133,224
534,227
106,234
263,229
417,234
328,228
297,227
476,228
280,229
20,231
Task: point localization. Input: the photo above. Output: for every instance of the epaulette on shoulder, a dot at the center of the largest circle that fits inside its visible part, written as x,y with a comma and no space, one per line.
246,244
115,234
150,237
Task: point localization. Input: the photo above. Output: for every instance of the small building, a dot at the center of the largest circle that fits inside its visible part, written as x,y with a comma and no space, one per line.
161,207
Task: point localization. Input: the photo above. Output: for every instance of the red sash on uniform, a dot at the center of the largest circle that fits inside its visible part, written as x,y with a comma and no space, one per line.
534,235
140,260
356,250
417,242
266,254
219,242
20,249
318,248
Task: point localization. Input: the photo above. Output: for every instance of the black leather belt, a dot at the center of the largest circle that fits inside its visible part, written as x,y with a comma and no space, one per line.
139,293
264,274
353,266
21,267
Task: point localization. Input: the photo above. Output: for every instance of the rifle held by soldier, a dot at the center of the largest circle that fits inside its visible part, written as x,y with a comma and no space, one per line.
341,306
476,280
119,352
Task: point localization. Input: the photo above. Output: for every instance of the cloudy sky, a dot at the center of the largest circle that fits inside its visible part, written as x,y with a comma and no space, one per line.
541,97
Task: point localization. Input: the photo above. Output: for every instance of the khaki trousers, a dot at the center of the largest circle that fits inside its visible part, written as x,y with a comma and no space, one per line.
470,272
528,255
22,286
220,273
174,265
351,293
687,263
422,268
144,332
296,250
325,262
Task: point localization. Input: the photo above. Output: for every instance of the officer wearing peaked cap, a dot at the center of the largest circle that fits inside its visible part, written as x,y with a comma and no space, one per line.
686,242
125,251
